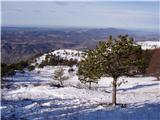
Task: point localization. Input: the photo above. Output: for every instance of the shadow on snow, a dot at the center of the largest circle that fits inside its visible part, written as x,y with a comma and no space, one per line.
58,109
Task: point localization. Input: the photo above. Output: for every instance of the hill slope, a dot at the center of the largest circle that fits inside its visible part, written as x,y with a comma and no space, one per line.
77,54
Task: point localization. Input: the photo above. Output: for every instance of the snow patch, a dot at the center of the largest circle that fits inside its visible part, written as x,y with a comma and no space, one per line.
149,44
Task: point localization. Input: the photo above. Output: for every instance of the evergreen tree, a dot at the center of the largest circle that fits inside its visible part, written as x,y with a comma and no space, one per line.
4,69
7,70
116,57
31,68
120,57
89,70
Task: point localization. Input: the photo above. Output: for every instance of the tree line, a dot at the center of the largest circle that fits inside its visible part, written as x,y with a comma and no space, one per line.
54,60
9,70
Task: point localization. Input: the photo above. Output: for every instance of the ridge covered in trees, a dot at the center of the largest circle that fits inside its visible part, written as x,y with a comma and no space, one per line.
53,60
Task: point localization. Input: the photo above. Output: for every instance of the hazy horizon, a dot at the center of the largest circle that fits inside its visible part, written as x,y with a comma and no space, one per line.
122,15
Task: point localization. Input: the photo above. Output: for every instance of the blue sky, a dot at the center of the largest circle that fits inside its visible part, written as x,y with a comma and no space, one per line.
130,15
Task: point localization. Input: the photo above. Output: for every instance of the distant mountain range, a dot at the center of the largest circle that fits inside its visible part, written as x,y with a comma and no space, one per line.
22,43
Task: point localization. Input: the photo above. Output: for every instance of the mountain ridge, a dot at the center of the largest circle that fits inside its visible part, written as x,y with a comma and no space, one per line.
23,43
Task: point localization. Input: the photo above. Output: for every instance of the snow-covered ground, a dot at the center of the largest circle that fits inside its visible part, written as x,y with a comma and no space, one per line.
149,44
32,96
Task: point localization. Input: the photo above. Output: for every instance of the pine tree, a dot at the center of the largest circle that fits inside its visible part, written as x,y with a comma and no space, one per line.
116,57
89,70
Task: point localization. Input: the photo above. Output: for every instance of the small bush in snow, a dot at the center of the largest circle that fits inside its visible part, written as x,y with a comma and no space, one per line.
59,75
87,80
120,83
31,68
79,85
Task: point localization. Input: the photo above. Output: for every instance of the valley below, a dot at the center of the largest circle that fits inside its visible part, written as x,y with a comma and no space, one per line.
24,43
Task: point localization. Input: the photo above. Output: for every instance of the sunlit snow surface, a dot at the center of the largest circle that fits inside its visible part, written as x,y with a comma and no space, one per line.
149,44
32,96
66,54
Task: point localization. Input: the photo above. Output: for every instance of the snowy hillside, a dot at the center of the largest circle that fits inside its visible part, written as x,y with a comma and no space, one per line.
32,96
76,55
64,54
149,44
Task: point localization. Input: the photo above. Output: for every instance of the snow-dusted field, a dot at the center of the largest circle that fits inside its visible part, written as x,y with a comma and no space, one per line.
149,44
32,96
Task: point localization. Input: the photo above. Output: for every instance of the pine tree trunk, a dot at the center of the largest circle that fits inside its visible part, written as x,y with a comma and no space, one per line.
89,85
114,91
158,76
61,82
